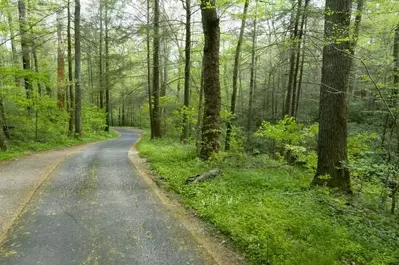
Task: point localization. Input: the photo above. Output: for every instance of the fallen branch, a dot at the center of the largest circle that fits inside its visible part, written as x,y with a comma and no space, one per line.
204,176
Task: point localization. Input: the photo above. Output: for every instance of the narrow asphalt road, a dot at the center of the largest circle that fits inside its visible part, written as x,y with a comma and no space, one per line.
96,210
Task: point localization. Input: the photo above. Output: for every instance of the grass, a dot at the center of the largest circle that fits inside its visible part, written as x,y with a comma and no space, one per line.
270,212
22,148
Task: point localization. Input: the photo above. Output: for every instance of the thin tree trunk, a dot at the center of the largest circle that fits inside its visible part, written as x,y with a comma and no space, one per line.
100,57
13,46
25,47
107,84
78,89
60,64
70,76
211,123
3,138
301,71
155,82
252,78
333,110
297,63
149,70
187,71
235,75
291,78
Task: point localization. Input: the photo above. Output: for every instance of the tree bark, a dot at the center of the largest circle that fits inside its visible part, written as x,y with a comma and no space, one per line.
156,90
187,71
107,84
235,75
252,79
25,46
60,64
149,70
297,63
333,109
211,122
3,139
291,78
70,76
78,89
100,57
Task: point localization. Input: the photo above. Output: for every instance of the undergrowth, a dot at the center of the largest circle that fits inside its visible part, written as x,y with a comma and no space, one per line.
271,213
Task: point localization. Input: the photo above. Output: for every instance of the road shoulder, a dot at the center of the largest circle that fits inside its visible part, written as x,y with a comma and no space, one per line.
212,243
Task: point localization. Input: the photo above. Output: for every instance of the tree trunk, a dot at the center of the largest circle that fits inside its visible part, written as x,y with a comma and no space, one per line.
3,139
156,91
100,57
13,47
60,64
333,110
235,75
70,78
107,84
187,71
252,79
297,63
291,78
78,89
149,70
211,121
200,110
25,47
301,70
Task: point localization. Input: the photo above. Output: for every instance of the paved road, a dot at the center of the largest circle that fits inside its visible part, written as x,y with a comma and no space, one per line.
95,210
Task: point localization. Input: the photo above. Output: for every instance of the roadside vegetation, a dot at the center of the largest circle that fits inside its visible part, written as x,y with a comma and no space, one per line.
267,205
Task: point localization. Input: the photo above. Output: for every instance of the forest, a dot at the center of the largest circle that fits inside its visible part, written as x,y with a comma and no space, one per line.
293,103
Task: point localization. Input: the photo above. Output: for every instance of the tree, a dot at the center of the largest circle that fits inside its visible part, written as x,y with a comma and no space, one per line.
332,144
149,70
60,64
235,74
211,121
107,74
25,47
78,89
187,70
71,104
156,113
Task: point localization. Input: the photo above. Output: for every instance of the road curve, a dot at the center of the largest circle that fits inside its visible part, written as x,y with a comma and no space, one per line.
96,210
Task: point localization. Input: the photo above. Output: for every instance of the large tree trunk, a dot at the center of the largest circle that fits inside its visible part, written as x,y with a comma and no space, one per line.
187,71
235,74
25,46
78,89
211,121
70,78
332,144
156,91
60,65
149,70
107,84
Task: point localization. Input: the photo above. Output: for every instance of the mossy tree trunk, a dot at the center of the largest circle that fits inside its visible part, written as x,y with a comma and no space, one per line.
211,122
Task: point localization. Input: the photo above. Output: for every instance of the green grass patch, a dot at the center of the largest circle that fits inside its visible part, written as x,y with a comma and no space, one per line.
269,211
22,148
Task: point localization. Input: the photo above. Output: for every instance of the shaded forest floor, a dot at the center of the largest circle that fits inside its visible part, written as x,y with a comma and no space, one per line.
271,213
22,148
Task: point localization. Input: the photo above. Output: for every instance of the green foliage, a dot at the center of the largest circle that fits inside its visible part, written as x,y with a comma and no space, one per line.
270,213
291,140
